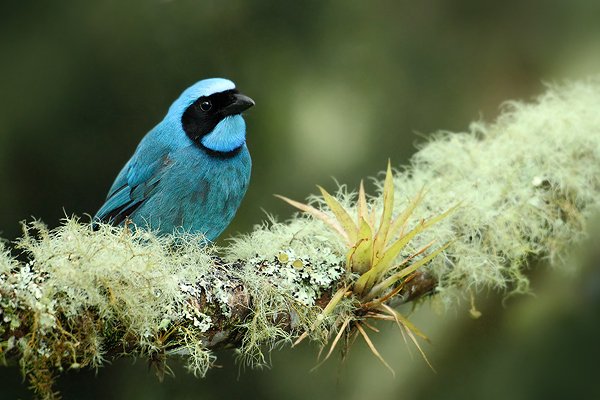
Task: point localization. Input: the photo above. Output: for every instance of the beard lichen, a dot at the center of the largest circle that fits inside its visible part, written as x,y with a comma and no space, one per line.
85,296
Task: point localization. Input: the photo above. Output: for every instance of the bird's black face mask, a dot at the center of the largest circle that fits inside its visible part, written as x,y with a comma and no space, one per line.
203,115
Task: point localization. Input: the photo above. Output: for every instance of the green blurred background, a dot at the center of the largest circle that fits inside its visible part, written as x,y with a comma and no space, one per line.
340,87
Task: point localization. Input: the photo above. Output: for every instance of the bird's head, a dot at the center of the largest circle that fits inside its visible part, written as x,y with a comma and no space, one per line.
209,112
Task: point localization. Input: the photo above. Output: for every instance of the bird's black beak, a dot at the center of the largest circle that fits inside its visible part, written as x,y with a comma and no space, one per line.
239,104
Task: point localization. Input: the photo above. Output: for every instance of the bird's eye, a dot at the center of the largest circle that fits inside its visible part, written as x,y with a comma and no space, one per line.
205,105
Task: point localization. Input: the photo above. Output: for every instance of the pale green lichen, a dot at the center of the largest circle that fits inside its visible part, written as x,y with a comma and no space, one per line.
526,185
84,291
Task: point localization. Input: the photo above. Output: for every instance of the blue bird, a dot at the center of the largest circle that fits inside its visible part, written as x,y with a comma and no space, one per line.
191,171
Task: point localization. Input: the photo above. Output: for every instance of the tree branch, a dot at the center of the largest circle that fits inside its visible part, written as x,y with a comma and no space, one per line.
526,184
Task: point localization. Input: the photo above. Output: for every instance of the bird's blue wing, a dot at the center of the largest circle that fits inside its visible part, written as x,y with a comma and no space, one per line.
134,185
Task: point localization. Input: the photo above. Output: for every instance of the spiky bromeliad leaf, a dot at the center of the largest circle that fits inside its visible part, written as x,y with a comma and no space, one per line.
399,224
380,239
363,208
320,215
393,279
342,216
378,271
359,255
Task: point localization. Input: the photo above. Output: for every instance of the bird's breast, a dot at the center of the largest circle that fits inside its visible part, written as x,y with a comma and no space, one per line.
201,193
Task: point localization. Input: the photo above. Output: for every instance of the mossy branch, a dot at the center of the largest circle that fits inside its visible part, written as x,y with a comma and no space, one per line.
526,184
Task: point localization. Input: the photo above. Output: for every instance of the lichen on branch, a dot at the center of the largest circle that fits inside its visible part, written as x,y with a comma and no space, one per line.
71,297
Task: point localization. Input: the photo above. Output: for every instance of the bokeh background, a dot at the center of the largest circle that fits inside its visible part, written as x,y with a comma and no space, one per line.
340,87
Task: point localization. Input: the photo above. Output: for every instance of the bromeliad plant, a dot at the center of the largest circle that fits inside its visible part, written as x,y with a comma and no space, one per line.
376,260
